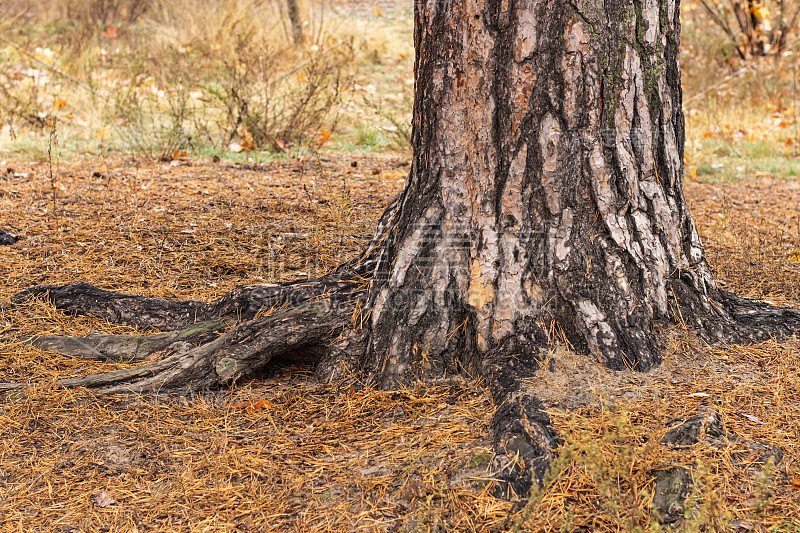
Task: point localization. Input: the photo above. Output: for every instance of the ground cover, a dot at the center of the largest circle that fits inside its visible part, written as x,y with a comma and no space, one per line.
282,453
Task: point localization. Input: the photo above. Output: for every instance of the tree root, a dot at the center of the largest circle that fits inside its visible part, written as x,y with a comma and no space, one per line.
524,443
132,348
242,303
722,316
244,350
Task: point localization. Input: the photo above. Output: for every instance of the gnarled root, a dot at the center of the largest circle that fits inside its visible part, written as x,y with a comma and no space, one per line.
242,303
524,443
132,348
243,350
717,315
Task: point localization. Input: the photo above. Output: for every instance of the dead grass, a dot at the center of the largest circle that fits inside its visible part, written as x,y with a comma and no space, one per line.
202,76
288,455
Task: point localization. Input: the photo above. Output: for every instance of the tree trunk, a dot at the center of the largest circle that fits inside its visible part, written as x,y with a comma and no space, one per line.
298,16
545,204
545,200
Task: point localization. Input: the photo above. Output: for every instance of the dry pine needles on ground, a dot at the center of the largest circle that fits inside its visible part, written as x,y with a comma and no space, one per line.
286,454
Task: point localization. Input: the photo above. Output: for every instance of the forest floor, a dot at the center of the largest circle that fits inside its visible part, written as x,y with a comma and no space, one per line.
283,453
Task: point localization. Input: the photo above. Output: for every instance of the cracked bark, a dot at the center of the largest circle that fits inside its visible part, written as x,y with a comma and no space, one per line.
545,204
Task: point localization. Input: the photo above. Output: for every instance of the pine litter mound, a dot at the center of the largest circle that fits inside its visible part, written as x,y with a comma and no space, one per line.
286,454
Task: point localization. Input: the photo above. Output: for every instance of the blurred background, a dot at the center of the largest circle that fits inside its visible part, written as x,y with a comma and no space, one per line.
255,79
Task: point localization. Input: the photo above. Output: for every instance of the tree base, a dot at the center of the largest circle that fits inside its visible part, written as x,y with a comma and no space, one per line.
214,344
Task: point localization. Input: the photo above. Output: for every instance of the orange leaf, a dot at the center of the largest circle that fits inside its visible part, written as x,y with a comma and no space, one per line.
263,404
253,407
112,32
324,137
59,104
796,485
259,405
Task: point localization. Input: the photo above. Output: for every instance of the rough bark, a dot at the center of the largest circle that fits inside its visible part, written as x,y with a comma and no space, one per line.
6,239
298,15
99,347
545,204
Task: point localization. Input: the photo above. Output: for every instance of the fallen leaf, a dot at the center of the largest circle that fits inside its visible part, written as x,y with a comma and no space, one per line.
112,32
103,498
253,407
752,418
259,405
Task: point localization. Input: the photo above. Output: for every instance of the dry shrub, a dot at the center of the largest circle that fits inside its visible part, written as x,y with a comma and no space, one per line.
267,106
753,28
257,86
186,74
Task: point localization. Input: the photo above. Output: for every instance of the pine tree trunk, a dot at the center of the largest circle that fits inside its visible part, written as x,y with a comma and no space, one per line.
298,15
545,200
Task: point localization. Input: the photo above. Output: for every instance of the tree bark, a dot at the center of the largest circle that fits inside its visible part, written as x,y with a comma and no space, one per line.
545,200
545,205
298,16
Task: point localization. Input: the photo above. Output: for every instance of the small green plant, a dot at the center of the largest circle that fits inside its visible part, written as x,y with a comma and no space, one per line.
481,460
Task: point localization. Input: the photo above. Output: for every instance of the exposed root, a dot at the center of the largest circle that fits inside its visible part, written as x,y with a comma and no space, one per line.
131,348
6,239
722,316
244,350
86,299
524,442
242,303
